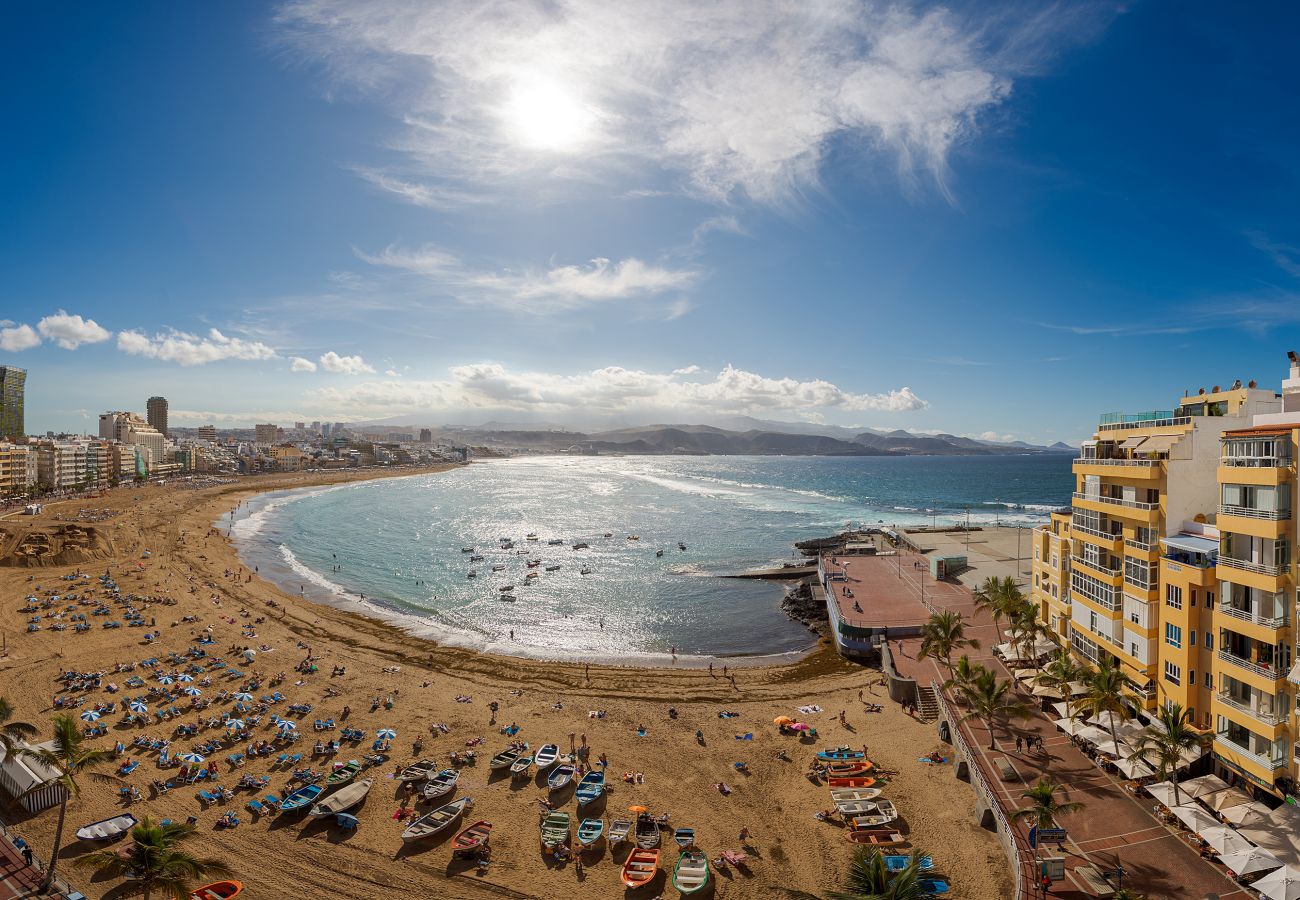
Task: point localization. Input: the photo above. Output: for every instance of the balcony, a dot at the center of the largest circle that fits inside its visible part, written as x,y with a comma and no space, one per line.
1116,501
1106,536
1146,423
1262,671
1079,561
1139,545
1259,715
1142,463
1257,568
1263,762
1256,462
1248,615
1247,512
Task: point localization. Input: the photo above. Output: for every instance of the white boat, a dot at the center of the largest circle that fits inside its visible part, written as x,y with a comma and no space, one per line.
437,821
848,795
508,598
498,568
506,588
342,800
856,807
441,784
417,771
547,756
108,829
471,574
586,570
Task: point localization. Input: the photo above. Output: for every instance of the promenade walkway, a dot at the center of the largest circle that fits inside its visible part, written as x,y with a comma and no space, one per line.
1115,828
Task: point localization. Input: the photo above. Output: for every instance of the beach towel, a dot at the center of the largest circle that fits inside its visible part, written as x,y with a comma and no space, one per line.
747,736
809,709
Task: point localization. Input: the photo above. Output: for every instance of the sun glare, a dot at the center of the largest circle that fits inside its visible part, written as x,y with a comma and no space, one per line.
544,115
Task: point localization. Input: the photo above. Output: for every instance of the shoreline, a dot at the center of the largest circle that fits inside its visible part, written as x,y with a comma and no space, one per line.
317,588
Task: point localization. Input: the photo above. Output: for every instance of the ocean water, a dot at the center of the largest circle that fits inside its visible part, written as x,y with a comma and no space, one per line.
398,543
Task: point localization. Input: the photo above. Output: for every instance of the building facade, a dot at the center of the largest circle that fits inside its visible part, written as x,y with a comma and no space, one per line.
156,414
13,383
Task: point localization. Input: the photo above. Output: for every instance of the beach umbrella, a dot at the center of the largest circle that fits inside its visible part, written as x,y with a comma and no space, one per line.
1077,688
234,723
249,654
90,715
782,720
243,695
1194,817
386,734
1024,674
286,725
1047,691
165,679
1282,884
1224,840
185,677
191,758
137,706
1069,726
1254,859
1250,814
192,692
1133,768
637,809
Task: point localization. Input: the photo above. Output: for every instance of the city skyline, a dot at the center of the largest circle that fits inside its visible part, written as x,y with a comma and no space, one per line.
916,217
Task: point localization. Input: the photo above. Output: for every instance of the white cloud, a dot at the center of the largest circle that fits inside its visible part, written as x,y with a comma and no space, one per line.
392,373
557,288
299,364
345,365
688,370
70,332
18,338
738,97
189,349
611,389
995,437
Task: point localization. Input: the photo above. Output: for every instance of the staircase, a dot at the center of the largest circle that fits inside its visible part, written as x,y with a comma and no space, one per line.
927,707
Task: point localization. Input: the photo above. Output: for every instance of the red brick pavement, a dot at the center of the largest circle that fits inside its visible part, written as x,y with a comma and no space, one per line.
1114,827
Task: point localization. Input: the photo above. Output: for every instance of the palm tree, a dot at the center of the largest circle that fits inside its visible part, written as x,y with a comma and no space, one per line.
962,676
71,758
1161,745
1104,695
944,633
998,597
1061,670
990,700
156,861
1044,808
1026,627
12,733
870,879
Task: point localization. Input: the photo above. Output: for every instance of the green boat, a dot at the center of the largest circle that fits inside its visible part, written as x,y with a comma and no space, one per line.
590,831
555,829
691,874
344,775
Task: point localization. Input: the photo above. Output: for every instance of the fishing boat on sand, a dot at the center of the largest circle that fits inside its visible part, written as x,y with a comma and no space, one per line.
218,890
848,795
107,829
560,776
684,837
877,837
472,837
590,831
437,821
441,784
547,756
591,787
555,829
850,781
343,774
691,874
521,766
301,799
619,829
506,758
647,832
417,771
856,767
840,753
640,867
342,800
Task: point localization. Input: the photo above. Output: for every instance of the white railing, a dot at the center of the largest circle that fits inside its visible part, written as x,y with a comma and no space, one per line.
1139,545
1116,501
1146,423
1145,463
1098,566
1266,717
1256,462
1264,761
1271,674
1096,532
1249,512
1247,566
1250,615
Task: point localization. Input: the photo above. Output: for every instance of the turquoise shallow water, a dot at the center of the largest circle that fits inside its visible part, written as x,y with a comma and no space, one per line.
398,542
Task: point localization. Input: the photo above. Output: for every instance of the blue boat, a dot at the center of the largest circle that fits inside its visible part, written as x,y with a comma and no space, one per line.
301,799
840,753
932,887
590,788
898,862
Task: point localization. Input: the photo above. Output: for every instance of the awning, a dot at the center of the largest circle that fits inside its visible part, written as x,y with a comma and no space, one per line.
1191,543
1194,817
1224,839
1294,675
1134,768
1160,443
1132,443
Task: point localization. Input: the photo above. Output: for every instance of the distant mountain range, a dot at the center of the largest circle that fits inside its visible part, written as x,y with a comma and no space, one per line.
761,438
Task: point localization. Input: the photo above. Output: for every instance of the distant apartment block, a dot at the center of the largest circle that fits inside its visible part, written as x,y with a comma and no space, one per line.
156,414
12,389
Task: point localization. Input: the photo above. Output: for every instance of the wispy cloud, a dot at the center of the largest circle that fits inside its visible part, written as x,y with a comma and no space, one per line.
188,349
738,98
1285,256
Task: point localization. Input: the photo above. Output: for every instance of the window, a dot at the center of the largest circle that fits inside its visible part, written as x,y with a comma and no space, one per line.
1056,561
1053,591
1173,596
1173,673
1173,635
1209,641
1191,639
1209,599
1093,588
1137,572
1191,677
1209,681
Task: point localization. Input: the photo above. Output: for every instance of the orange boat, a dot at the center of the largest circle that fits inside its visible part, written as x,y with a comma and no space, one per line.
218,890
851,781
850,768
473,836
640,867
879,837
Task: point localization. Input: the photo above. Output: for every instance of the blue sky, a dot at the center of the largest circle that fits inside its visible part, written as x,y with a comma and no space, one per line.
982,219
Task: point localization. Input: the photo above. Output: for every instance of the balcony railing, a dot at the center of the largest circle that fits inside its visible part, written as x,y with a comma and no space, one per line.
1146,423
1249,512
1247,566
1267,718
1145,463
1256,462
1263,761
1095,532
1249,615
1269,673
1105,570
1139,545
1116,501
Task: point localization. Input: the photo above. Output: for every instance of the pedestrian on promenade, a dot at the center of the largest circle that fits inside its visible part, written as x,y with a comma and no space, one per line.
1020,743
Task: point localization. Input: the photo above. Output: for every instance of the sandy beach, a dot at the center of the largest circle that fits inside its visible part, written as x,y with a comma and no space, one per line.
194,566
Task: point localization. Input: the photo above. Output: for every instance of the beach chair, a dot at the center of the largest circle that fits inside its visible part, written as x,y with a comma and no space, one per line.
295,759
272,801
206,798
255,807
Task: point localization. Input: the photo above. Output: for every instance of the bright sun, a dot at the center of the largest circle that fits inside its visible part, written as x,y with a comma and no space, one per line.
544,115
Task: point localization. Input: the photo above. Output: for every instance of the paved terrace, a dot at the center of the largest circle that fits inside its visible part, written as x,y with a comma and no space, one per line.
991,552
1115,826
868,595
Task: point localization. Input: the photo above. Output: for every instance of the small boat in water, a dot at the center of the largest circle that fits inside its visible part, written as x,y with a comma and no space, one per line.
471,574
555,542
547,756
417,771
581,545
590,831
341,800
534,563
560,776
532,535
585,570
691,874
609,534
472,837
530,576
509,598
218,890
506,588
107,829
555,829
681,546
552,568
619,829
476,558
466,549
659,553
498,568
441,784
437,821
640,868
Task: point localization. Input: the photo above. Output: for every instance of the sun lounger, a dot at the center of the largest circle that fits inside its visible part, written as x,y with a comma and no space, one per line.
206,797
255,807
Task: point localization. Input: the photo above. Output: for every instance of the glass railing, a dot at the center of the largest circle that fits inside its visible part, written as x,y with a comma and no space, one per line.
1256,462
1268,718
1264,671
1116,501
1145,463
1250,615
1146,423
1106,536
1233,747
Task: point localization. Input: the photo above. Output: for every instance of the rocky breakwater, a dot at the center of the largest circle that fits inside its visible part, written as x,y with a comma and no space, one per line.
801,604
